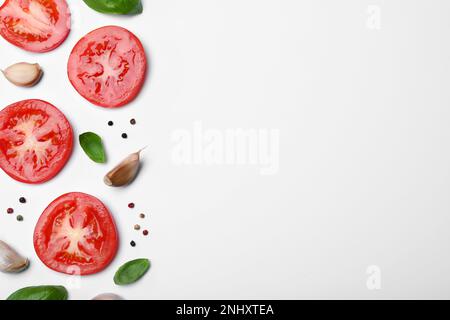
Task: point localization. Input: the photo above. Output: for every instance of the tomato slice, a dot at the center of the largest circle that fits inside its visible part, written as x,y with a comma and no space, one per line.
108,66
76,234
35,25
35,141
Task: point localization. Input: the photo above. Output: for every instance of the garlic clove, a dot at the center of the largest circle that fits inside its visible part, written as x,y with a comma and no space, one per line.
108,296
125,172
10,260
23,74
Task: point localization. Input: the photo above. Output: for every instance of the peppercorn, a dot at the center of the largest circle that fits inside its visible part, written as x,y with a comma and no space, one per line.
131,205
22,200
142,216
124,135
110,123
10,210
133,121
133,244
19,218
145,232
137,227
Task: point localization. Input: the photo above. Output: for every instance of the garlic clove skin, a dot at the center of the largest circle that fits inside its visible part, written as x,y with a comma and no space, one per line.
23,74
125,172
10,260
108,296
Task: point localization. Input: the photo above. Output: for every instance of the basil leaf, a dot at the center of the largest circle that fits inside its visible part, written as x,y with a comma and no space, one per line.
131,271
40,293
93,146
116,6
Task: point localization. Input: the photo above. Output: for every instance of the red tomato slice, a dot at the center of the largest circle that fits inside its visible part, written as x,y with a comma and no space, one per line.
108,66
35,25
35,141
76,234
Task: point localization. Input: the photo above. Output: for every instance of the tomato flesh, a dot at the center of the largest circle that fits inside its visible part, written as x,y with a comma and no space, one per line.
108,66
35,25
76,234
36,141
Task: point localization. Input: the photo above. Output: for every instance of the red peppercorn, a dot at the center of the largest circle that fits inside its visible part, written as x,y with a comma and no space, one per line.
131,205
145,232
10,211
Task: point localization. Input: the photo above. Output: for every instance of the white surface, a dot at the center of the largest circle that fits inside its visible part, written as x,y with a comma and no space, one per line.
364,173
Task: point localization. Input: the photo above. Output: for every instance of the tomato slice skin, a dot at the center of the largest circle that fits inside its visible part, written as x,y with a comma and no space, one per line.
76,234
35,25
108,66
36,141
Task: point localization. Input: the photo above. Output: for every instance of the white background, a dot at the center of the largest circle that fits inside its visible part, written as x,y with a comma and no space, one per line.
364,156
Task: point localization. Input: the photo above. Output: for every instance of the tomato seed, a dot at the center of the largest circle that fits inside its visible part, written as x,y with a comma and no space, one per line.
10,211
22,200
19,218
131,205
124,135
133,121
110,123
145,232
133,244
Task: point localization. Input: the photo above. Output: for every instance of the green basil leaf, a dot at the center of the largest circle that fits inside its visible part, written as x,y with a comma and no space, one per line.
40,293
131,271
116,6
93,147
